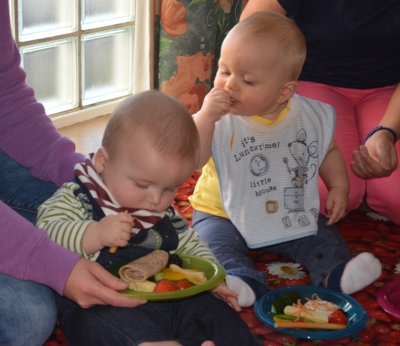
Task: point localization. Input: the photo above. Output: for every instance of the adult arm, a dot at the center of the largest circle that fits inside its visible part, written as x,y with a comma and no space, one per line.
29,254
378,157
261,5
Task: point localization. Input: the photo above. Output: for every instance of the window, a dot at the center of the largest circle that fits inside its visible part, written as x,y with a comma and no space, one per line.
83,56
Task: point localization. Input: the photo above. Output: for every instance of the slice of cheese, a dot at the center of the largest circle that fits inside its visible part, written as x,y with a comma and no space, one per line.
142,286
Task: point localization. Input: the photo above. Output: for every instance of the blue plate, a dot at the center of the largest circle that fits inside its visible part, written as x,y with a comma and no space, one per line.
356,314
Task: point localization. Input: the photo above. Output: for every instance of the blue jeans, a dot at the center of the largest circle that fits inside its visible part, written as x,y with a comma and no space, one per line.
319,253
188,321
27,310
20,191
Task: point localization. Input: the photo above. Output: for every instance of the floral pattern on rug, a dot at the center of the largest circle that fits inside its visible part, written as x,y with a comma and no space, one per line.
363,232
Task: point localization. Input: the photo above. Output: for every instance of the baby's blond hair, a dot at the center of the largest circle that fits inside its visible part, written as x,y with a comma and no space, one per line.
157,117
279,33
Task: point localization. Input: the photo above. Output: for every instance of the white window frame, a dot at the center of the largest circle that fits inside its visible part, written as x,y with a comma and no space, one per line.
142,67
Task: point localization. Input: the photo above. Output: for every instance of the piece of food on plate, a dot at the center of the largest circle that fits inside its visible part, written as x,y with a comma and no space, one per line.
196,278
142,286
155,273
144,267
319,305
174,259
315,313
168,274
165,286
312,316
310,325
279,305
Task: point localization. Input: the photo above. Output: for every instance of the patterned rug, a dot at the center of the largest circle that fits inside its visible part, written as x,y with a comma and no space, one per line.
363,232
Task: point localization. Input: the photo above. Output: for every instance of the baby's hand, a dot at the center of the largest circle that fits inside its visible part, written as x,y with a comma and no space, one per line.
223,292
115,230
216,104
337,204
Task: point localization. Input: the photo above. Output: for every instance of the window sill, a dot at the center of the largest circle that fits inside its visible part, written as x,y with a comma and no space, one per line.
86,135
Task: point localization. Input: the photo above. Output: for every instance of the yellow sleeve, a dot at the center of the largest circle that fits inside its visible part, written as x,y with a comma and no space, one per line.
207,196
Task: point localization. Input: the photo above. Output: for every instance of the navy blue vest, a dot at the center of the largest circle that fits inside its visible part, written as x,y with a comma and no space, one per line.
141,244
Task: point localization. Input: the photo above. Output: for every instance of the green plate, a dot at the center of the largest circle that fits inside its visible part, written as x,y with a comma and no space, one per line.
214,272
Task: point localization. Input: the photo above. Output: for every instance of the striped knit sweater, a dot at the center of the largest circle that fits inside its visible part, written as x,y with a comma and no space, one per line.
65,219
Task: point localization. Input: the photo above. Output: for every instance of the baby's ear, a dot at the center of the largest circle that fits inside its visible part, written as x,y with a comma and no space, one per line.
287,91
100,160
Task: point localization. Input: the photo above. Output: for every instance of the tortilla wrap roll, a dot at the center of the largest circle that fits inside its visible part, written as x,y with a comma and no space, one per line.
144,267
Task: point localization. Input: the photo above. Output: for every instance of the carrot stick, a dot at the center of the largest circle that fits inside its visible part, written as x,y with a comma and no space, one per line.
310,325
113,249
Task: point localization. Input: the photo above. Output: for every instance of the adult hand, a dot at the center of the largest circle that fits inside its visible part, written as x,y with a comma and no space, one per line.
90,284
377,158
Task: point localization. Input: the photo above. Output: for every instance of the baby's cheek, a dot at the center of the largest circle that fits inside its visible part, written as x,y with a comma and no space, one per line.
168,198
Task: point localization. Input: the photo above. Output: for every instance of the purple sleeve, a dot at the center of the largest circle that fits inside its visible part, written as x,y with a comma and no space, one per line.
29,137
29,254
27,134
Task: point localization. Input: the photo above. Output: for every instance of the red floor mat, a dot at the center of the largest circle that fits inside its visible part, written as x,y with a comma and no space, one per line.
363,234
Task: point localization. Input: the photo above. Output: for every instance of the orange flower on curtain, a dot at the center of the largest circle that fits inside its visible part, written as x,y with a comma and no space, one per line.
226,5
173,19
191,33
183,85
194,98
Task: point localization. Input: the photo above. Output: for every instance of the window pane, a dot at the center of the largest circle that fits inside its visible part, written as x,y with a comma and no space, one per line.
45,18
97,13
79,53
107,65
51,71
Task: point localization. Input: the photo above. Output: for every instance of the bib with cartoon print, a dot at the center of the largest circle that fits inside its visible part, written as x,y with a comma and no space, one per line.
268,174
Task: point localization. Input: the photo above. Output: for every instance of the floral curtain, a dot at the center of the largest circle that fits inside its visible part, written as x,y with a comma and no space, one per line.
188,42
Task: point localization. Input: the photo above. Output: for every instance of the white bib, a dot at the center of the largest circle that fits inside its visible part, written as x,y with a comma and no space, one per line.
269,173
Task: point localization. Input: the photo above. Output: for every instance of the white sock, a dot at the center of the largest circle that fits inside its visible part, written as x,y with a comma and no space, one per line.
359,272
246,296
